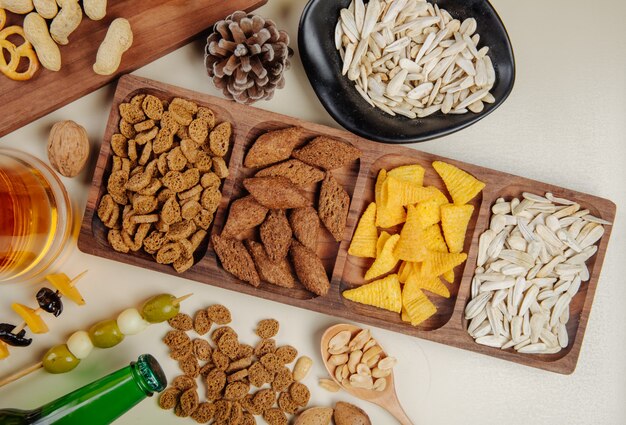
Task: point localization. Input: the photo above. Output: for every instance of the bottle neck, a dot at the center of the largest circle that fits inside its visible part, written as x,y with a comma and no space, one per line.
106,399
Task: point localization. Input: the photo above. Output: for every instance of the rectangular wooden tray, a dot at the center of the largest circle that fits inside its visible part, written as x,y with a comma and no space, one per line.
448,326
159,26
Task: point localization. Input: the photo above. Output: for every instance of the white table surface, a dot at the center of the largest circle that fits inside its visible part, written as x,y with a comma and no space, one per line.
563,124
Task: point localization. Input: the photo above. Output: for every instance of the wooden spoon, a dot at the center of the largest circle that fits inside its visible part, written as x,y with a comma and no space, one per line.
387,399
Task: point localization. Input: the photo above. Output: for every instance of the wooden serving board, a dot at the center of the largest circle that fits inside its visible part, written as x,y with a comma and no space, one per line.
448,326
159,27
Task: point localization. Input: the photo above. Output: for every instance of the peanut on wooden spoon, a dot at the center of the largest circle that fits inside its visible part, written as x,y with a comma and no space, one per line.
359,365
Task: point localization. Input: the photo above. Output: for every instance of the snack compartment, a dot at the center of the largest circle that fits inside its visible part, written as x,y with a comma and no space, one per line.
105,165
355,268
580,302
327,247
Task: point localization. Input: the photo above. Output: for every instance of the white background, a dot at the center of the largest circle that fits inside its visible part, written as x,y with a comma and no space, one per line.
563,124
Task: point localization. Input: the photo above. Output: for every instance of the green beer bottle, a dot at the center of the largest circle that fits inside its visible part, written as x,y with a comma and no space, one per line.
98,403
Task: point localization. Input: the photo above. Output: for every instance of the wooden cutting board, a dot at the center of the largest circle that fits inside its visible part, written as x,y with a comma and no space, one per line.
448,326
159,27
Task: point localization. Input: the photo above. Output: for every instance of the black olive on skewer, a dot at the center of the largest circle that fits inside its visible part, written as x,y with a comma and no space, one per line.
16,340
50,301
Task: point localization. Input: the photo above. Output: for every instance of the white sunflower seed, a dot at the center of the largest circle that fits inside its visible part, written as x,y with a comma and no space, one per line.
476,305
533,348
562,335
349,54
483,330
359,14
594,219
372,13
338,34
492,340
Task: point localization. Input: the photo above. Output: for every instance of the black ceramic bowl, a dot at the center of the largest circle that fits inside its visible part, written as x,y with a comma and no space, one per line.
322,63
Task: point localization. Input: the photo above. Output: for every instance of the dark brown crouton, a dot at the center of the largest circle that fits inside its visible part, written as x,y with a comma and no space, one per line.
277,273
273,146
305,224
334,206
295,170
276,234
327,153
235,259
245,213
276,192
309,269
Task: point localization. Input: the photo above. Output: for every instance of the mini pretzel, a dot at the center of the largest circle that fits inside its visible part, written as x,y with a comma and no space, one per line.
9,47
24,50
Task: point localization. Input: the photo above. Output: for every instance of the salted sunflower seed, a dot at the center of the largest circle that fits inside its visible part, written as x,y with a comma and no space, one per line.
382,38
532,276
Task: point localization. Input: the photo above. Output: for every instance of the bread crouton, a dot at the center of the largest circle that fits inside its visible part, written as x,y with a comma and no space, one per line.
309,269
276,235
244,214
295,170
276,192
333,206
327,153
275,272
272,147
305,225
235,259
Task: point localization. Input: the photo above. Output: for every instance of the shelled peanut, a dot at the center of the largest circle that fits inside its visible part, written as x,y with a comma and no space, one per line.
359,361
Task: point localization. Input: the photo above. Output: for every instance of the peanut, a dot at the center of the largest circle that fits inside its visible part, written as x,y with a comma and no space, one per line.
363,369
21,7
338,359
380,373
339,340
361,381
369,353
372,361
118,39
36,32
66,21
329,385
355,358
380,384
369,344
46,8
345,372
387,363
364,366
360,340
338,373
340,350
95,9
302,367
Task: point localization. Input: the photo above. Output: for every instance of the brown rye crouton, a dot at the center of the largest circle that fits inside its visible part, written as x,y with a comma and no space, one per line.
245,213
236,259
272,147
327,153
276,192
309,269
276,234
277,273
305,224
295,170
333,206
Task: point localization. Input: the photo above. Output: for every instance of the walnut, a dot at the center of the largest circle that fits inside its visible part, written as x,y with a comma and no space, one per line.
68,148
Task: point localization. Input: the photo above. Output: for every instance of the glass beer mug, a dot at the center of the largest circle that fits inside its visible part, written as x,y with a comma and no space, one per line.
35,216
